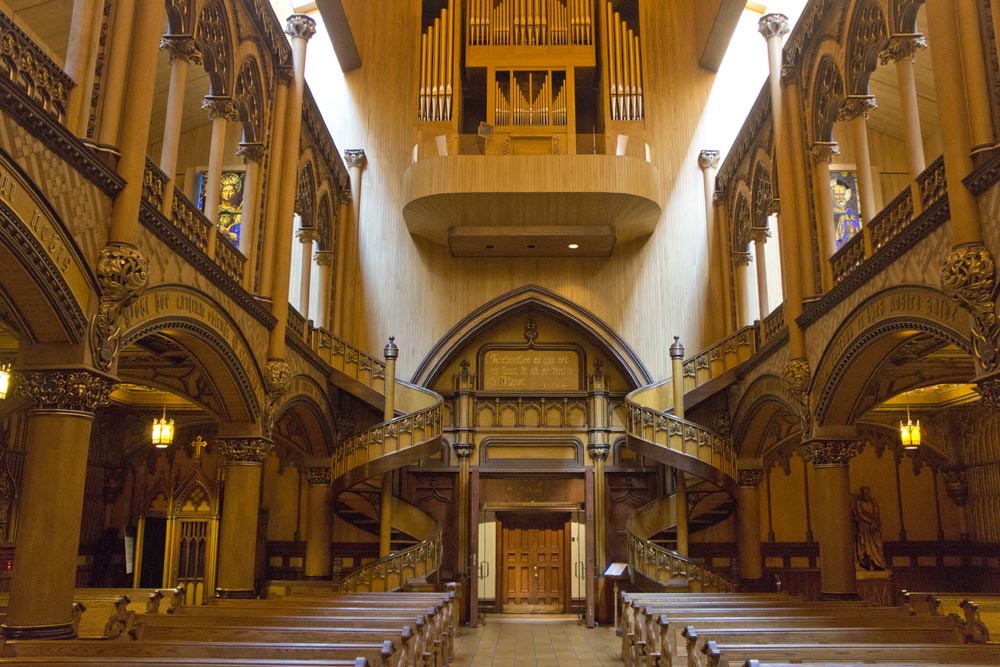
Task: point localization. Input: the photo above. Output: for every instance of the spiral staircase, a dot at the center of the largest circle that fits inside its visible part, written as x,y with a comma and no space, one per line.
706,459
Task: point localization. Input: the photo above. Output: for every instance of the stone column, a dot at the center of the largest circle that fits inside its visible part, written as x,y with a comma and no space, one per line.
385,517
115,71
680,487
319,523
253,157
822,153
181,50
273,195
800,172
974,69
722,233
244,464
741,260
759,237
220,111
902,50
305,236
60,418
324,269
599,446
835,533
855,110
356,162
748,521
464,447
708,161
956,483
343,235
83,29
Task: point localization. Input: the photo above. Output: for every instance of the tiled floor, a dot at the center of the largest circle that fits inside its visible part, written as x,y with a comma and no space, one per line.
536,641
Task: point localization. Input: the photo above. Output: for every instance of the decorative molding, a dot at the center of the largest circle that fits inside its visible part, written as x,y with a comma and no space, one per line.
220,106
989,391
824,151
244,450
969,277
857,106
797,375
599,451
318,476
867,34
252,151
181,47
902,45
277,380
773,25
312,119
831,452
270,29
28,67
65,390
708,159
463,450
750,478
300,25
122,277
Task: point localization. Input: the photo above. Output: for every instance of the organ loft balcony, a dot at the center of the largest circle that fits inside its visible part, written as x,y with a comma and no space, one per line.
533,144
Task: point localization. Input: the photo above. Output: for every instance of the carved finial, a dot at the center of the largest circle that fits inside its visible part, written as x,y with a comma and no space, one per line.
391,350
676,349
530,331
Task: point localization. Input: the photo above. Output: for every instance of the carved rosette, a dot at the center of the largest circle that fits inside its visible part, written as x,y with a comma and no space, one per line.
857,106
750,478
599,451
903,45
122,277
65,390
773,25
219,106
277,379
831,452
181,47
300,25
969,277
355,158
956,483
318,476
708,159
244,450
463,450
251,151
824,151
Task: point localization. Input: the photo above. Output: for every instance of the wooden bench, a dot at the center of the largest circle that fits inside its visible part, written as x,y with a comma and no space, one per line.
758,663
54,661
976,612
719,654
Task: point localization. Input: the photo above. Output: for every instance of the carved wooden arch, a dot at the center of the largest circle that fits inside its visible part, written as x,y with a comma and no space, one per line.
869,334
827,95
305,195
740,218
307,402
248,98
539,298
764,399
903,15
214,35
326,230
867,35
762,196
179,16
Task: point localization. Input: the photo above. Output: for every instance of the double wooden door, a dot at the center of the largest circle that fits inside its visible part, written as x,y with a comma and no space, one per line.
533,554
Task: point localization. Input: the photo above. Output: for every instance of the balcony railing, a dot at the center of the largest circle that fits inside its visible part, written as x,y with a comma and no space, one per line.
848,257
932,183
390,574
31,70
662,565
347,359
892,219
774,324
230,260
296,323
532,140
720,357
190,221
154,185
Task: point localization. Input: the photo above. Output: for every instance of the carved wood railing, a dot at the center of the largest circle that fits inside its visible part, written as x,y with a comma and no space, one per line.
659,564
26,65
774,324
932,183
848,257
719,358
154,185
521,407
391,573
683,439
347,359
892,219
190,221
231,260
296,323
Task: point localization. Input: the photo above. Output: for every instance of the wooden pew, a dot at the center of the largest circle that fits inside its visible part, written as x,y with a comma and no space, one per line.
56,661
736,655
758,663
977,612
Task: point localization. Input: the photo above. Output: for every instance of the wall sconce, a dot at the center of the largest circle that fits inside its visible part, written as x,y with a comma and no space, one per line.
163,431
909,433
4,380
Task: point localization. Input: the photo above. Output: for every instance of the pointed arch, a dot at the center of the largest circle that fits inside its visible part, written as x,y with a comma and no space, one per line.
308,406
763,198
215,39
766,400
305,196
903,15
248,99
325,229
867,35
827,95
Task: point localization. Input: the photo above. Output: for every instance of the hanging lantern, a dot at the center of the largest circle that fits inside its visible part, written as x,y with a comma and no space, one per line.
909,433
163,431
4,380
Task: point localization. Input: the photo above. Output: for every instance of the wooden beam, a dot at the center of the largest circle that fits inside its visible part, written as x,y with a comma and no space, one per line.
721,33
335,20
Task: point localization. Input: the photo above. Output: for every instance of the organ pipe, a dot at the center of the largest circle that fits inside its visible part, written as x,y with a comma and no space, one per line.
437,68
530,22
543,104
624,69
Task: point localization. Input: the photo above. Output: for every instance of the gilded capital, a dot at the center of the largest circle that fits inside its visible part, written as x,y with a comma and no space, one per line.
708,159
599,451
323,258
122,277
181,47
903,45
300,25
989,391
65,390
251,151
857,106
244,450
750,478
760,234
463,450
969,277
355,158
220,106
831,452
318,476
742,258
773,25
823,151
306,234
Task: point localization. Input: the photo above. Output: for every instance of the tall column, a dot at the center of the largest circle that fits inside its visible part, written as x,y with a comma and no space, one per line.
708,161
796,149
464,447
319,523
300,28
115,71
741,260
181,50
835,533
60,418
759,236
822,153
974,69
356,161
253,156
343,236
324,270
748,521
680,486
902,50
599,446
244,464
855,110
273,195
725,266
306,236
79,55
956,483
220,111
385,516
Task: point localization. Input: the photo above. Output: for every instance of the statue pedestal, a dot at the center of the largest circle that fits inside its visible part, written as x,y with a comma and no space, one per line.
875,586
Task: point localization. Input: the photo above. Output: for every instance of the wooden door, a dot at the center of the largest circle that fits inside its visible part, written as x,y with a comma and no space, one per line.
533,563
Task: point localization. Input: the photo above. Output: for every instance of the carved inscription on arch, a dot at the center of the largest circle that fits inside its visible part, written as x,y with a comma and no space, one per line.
531,370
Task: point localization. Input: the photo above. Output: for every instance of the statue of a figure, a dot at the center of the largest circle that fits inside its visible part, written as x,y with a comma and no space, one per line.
867,531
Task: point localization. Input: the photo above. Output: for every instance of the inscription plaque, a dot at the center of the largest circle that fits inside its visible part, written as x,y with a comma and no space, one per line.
531,370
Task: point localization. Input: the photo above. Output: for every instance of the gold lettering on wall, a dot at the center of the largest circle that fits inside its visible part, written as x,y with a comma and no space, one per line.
531,370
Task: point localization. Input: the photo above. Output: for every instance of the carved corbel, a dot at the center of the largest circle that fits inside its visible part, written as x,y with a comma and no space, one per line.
277,379
122,277
969,277
797,376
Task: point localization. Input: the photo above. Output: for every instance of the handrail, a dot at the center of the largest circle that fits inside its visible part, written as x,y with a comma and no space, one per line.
848,257
653,562
390,573
30,68
154,184
933,183
892,219
774,323
347,359
189,220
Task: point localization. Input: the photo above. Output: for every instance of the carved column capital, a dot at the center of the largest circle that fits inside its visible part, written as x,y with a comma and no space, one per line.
277,380
956,483
902,45
300,25
306,234
773,25
181,47
251,151
742,258
989,390
830,452
323,258
355,158
759,234
220,106
823,151
72,390
750,478
463,450
599,451
969,277
122,277
318,476
249,451
857,106
708,159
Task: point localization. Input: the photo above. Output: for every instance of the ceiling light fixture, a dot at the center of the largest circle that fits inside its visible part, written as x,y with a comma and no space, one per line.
4,380
573,246
163,431
909,433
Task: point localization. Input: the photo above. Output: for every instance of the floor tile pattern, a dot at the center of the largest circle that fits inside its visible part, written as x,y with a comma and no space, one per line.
526,641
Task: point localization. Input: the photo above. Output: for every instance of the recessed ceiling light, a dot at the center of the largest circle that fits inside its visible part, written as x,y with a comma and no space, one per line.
530,246
573,246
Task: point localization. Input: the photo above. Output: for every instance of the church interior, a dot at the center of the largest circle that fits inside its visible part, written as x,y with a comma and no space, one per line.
539,305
